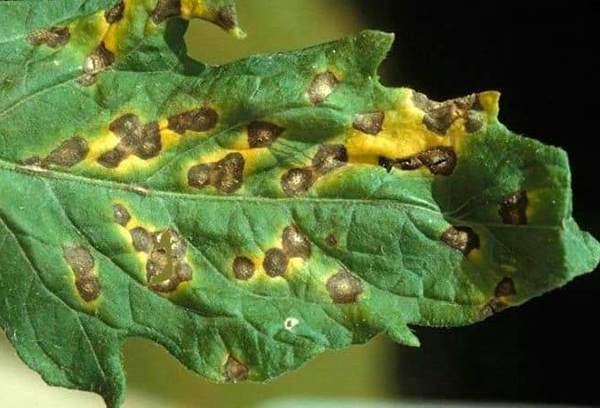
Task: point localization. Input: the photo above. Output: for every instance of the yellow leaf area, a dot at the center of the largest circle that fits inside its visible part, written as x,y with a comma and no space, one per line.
404,133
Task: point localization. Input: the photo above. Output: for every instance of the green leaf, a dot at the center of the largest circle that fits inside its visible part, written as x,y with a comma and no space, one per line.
249,216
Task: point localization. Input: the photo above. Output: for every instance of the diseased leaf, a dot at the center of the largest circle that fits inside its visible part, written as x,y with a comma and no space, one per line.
249,216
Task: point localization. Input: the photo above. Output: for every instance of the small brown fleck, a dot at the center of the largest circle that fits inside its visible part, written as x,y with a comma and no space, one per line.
513,210
226,17
150,144
329,158
297,181
295,243
112,158
141,239
343,287
184,272
54,37
164,286
115,13
79,259
439,160
492,307
234,370
263,134
166,9
462,238
321,87
158,262
387,163
275,262
506,287
88,287
35,161
69,153
121,215
243,268
197,120
408,163
227,175
369,123
199,176
331,240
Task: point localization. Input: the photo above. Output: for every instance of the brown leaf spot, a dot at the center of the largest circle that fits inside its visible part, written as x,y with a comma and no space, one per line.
331,240
369,123
199,176
156,265
227,175
506,287
150,143
329,158
69,153
35,161
263,134
112,158
343,287
121,215
462,238
439,116
79,259
125,125
165,9
226,17
297,181
184,272
513,210
474,122
439,160
88,287
143,141
275,262
141,239
115,13
100,59
492,307
166,267
406,163
321,87
243,268
234,370
197,120
53,37
295,243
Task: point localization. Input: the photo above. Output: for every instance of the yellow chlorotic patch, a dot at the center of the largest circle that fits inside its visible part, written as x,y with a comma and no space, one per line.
133,163
104,143
195,9
403,134
118,30
475,255
490,101
167,137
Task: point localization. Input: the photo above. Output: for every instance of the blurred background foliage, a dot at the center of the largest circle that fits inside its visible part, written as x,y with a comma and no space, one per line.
539,54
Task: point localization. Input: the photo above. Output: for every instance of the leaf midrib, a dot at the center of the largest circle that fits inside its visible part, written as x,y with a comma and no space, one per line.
111,185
